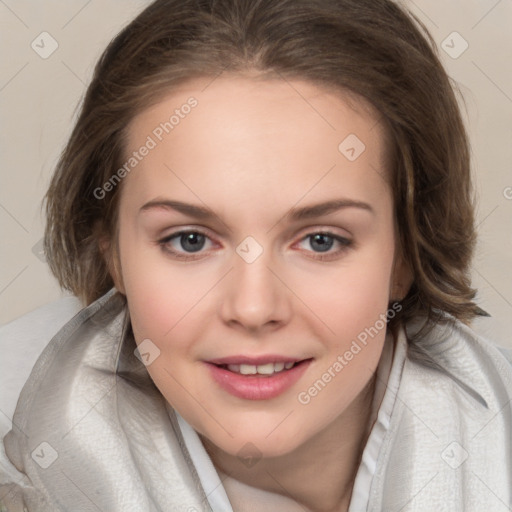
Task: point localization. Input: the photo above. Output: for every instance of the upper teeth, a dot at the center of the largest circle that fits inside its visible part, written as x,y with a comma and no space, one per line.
262,369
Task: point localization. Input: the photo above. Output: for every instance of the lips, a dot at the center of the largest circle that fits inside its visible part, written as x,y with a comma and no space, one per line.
239,375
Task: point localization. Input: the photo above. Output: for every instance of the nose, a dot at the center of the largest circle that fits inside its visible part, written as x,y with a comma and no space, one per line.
256,297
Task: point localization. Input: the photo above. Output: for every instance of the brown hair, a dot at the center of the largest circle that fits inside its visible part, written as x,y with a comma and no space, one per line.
372,48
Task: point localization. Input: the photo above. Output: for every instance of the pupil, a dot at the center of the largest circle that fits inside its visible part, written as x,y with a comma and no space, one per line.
323,245
194,241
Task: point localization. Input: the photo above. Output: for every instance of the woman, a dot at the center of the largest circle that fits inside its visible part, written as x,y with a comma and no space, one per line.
266,209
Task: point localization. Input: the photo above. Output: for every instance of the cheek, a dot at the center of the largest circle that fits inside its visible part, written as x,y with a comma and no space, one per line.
173,319
353,294
160,308
159,294
354,313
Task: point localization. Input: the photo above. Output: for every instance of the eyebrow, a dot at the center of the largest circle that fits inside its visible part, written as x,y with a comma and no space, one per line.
295,214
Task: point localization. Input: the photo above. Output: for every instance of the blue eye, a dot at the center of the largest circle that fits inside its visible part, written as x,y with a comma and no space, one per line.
189,241
183,244
192,241
322,242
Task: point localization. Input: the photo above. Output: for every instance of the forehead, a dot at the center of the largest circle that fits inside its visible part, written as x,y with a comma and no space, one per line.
257,137
243,101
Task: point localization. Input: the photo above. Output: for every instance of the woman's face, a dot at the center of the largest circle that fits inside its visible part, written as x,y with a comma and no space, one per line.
266,272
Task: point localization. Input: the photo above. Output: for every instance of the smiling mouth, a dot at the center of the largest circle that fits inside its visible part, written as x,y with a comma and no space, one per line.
240,377
262,370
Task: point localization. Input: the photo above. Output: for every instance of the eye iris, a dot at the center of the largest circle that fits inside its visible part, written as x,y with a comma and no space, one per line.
320,239
192,241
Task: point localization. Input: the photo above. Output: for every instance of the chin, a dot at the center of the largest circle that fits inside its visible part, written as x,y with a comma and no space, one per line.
257,443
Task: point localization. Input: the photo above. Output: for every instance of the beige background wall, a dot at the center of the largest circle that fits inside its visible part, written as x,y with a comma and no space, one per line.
38,97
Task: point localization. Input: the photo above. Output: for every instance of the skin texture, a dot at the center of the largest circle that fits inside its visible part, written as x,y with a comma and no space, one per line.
251,150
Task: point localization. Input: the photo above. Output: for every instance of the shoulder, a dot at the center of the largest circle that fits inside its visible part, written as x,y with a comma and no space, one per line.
89,403
507,353
451,343
450,428
457,357
22,342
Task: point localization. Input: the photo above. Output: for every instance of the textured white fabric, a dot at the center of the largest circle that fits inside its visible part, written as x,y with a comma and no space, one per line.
21,343
208,475
112,444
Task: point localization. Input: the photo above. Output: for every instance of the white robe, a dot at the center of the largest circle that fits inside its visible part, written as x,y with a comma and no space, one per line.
92,432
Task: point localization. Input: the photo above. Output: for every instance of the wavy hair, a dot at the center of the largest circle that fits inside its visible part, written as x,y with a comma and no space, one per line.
371,48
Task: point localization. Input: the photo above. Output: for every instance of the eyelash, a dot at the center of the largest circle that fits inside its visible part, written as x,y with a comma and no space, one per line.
344,242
